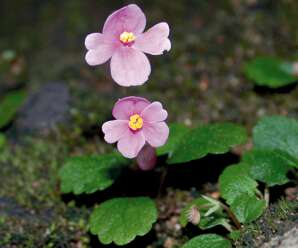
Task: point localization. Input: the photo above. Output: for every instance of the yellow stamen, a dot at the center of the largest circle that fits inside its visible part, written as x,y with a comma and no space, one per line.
127,37
135,122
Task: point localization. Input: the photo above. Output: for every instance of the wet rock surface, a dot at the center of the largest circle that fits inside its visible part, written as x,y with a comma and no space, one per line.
288,240
44,109
275,227
10,207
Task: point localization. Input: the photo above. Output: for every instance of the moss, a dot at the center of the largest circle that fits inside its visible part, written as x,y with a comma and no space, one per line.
32,213
277,220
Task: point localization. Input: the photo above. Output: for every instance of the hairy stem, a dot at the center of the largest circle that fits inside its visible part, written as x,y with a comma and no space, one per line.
162,179
267,195
231,215
259,193
228,226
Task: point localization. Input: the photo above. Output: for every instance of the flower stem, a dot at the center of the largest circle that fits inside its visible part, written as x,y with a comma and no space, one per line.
259,193
266,195
162,179
231,215
227,226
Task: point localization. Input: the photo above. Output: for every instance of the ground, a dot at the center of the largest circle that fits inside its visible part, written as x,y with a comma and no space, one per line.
199,81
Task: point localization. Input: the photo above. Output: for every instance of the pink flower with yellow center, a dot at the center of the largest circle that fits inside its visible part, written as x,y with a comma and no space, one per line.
138,122
122,39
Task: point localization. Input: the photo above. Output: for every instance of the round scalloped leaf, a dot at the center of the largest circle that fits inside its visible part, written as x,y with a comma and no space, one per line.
208,241
87,174
235,181
177,131
271,72
213,138
9,105
120,220
268,166
248,208
277,133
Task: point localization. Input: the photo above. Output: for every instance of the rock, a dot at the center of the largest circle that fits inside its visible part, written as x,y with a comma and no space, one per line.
44,109
9,207
276,228
288,240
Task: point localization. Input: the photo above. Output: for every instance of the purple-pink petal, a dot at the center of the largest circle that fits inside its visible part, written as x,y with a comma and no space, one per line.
155,40
130,67
93,40
99,55
156,134
128,106
166,45
129,18
131,144
115,130
154,113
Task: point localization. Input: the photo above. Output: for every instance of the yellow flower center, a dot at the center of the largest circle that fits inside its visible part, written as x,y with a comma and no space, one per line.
127,37
135,122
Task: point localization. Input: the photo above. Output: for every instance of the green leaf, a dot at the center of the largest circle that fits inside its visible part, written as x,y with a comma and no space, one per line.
235,235
87,174
213,138
208,219
271,72
177,131
234,181
2,141
212,221
208,241
277,133
9,106
268,166
120,220
248,208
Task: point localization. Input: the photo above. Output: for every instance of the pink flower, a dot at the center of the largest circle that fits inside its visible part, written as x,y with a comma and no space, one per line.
122,39
137,121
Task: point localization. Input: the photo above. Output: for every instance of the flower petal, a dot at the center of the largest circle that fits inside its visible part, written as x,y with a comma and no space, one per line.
167,45
94,40
99,55
154,113
156,134
128,106
115,130
129,18
146,158
155,40
130,67
131,144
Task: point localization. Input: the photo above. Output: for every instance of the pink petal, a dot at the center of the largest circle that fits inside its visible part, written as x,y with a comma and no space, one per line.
156,134
99,55
167,45
94,40
115,130
154,113
131,144
129,18
128,106
146,158
130,67
155,40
